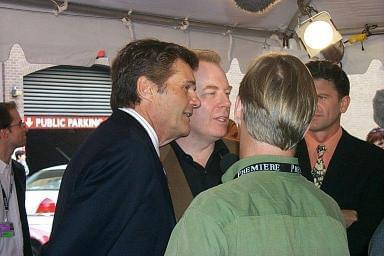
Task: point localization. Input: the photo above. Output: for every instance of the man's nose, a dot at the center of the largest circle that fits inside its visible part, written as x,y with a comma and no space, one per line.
225,101
194,100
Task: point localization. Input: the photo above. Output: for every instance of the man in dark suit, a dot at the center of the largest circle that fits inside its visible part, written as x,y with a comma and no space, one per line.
14,232
193,162
348,169
114,199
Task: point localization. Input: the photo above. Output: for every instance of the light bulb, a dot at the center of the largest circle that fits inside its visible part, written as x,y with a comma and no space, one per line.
318,35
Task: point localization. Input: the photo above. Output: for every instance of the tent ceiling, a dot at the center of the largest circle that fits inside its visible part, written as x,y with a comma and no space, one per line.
346,14
74,36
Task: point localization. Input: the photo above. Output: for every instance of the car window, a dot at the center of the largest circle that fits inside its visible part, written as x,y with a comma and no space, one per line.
45,180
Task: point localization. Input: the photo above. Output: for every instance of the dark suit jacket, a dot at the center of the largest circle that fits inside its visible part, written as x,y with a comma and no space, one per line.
19,176
355,179
113,198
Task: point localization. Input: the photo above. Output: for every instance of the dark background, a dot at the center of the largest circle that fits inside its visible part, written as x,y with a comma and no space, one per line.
43,146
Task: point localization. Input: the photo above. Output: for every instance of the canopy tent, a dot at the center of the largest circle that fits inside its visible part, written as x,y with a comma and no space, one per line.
75,35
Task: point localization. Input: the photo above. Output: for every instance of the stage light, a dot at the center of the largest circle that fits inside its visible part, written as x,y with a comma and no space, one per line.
317,33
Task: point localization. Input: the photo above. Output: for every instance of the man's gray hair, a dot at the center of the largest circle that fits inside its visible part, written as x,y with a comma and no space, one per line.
378,108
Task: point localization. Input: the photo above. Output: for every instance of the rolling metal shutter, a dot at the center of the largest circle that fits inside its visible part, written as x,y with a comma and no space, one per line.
68,90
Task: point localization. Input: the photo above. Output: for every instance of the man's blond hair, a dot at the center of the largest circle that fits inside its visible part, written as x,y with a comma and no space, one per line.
279,100
207,55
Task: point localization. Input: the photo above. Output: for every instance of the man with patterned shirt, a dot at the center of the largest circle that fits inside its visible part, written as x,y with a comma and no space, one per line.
348,169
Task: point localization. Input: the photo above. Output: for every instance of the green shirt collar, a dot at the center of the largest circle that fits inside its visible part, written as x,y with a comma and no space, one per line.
232,171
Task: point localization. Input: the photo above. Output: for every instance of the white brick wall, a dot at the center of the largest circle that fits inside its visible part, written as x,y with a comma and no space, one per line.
234,76
358,120
15,68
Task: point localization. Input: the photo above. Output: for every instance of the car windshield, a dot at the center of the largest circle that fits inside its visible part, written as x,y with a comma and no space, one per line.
45,180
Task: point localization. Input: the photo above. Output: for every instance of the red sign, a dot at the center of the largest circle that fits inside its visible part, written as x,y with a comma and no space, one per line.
63,122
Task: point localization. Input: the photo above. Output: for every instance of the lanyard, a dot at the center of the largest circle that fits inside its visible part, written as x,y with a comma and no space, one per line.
6,198
269,166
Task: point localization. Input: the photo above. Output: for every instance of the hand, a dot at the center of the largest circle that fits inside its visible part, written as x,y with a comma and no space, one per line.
350,216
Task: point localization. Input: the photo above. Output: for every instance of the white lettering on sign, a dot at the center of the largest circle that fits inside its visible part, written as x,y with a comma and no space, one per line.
45,122
84,122
63,122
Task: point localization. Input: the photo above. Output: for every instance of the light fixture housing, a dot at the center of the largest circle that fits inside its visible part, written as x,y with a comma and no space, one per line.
317,33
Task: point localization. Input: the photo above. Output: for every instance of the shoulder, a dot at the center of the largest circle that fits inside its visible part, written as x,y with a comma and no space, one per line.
115,146
17,167
301,148
19,173
224,202
231,145
359,146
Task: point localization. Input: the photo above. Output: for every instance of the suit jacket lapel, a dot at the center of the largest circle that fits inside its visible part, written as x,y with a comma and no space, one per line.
305,163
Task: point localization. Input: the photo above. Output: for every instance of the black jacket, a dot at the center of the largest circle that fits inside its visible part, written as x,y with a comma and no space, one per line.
113,198
19,176
355,179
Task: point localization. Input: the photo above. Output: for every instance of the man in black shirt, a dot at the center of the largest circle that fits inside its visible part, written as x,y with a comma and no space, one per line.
192,163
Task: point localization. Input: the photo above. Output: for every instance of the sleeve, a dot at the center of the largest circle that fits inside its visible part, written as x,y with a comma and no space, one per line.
105,200
197,234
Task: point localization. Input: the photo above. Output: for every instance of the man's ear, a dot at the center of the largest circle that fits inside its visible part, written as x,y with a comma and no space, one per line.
344,103
145,88
4,133
238,113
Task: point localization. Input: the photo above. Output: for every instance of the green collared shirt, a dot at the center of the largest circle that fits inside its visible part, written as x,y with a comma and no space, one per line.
261,213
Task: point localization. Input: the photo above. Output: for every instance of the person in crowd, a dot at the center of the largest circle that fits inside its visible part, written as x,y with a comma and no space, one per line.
376,137
265,207
232,131
376,245
378,108
346,168
114,198
193,162
21,158
14,232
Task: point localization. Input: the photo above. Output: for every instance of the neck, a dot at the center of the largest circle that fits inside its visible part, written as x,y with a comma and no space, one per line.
5,154
251,147
199,149
323,136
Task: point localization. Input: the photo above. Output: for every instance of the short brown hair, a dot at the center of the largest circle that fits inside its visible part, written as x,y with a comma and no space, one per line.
207,55
375,135
324,69
279,100
5,115
150,58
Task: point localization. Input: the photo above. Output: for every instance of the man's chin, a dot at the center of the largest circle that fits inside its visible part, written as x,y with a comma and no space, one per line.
185,132
315,129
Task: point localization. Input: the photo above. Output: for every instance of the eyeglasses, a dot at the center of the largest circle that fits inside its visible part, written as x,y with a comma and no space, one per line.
21,124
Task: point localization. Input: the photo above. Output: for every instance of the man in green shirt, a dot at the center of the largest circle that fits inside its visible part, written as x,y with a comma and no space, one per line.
265,207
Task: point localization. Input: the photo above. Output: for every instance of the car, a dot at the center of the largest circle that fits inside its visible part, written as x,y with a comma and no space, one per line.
40,203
